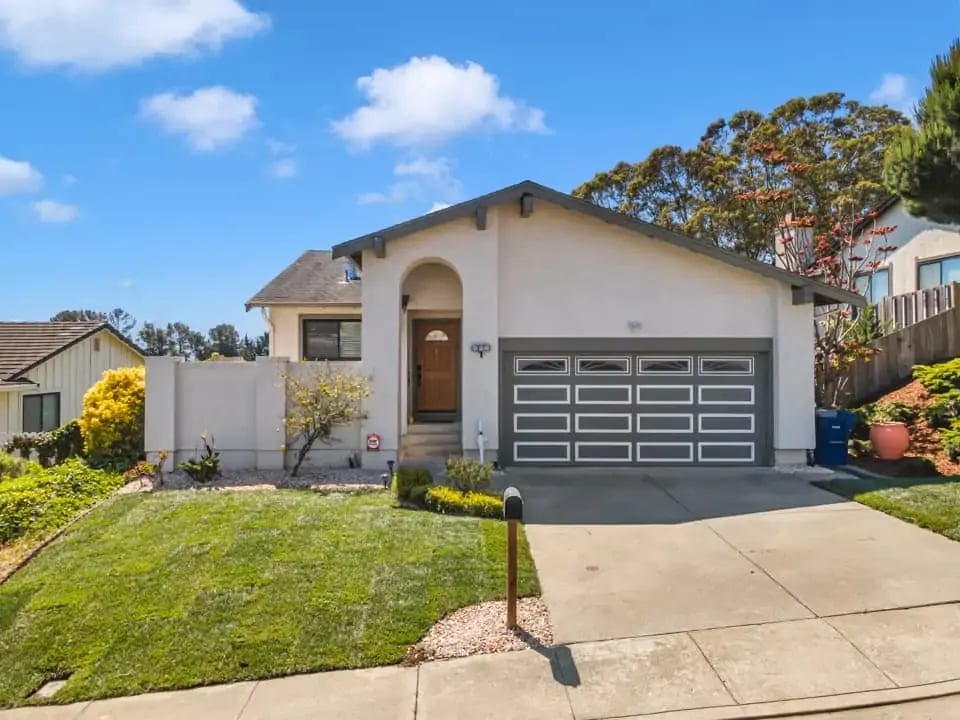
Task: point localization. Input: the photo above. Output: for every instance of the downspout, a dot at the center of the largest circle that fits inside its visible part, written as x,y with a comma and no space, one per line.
265,314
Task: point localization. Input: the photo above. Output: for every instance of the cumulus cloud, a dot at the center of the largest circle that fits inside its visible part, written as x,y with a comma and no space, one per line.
283,169
210,118
428,100
278,147
894,90
102,34
51,211
18,176
420,176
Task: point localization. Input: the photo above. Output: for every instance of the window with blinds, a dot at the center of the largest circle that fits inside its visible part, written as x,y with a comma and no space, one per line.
331,339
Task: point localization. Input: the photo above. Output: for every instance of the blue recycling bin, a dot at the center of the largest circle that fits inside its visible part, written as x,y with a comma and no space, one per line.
833,434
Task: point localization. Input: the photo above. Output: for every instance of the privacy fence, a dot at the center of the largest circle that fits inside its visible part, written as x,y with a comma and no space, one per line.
240,405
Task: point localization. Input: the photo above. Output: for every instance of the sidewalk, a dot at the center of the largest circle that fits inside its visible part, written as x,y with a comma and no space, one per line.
845,664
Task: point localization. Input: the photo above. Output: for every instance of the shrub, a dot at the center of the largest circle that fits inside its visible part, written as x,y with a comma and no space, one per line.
410,478
449,501
418,495
940,378
51,447
206,467
893,412
950,441
468,475
944,410
44,499
12,467
112,418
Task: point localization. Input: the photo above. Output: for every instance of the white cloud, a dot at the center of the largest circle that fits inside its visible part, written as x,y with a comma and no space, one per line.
283,169
439,167
102,34
210,117
126,283
17,176
397,193
438,206
428,100
894,90
420,176
278,147
51,211
68,179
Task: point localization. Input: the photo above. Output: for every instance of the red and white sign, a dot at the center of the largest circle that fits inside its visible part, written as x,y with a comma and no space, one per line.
373,441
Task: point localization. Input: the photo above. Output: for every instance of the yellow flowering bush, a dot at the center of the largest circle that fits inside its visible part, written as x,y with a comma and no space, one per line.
112,418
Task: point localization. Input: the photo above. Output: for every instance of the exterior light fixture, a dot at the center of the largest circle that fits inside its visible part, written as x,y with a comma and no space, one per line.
480,348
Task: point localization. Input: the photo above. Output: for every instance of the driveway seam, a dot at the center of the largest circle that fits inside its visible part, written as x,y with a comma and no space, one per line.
416,695
737,550
861,652
246,702
712,667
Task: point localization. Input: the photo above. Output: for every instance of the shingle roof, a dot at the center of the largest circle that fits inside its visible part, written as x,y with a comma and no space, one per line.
313,278
24,345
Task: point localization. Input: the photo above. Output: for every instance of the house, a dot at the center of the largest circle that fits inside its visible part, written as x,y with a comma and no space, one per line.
46,367
539,329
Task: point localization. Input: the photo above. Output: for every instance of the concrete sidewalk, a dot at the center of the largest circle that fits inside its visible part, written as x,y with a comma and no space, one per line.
841,664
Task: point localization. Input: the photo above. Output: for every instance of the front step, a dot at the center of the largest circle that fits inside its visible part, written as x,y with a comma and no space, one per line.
435,429
430,452
429,439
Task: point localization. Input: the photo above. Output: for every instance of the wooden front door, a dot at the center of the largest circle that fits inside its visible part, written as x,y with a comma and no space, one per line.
436,371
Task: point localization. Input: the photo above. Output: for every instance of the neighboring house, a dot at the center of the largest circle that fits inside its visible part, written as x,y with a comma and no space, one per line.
565,332
927,254
46,367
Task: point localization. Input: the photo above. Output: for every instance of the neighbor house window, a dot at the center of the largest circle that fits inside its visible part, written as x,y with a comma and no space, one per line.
331,339
938,272
874,286
41,412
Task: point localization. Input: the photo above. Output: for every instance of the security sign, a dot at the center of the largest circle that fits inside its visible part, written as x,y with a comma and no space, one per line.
373,441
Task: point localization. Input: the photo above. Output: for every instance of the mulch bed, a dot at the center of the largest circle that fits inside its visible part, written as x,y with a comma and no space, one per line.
925,457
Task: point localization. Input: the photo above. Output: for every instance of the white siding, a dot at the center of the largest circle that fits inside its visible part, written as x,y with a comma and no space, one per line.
71,373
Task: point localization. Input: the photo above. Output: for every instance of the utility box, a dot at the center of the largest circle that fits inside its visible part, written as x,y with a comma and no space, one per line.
833,435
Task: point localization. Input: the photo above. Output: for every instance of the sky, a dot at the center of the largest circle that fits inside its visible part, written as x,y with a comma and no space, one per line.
170,157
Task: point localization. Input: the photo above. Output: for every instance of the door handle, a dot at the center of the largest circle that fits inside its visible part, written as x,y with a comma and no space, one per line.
419,374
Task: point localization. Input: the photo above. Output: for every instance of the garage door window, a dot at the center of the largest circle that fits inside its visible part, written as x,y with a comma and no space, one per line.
603,366
542,366
726,366
664,366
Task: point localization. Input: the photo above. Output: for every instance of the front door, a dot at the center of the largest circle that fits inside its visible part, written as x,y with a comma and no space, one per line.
436,367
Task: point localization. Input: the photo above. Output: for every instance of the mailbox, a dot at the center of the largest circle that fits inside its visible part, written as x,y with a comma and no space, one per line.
512,504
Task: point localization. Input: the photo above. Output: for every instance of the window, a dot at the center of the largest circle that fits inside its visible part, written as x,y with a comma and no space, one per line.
41,413
873,286
726,366
436,336
541,366
938,272
331,339
603,366
664,366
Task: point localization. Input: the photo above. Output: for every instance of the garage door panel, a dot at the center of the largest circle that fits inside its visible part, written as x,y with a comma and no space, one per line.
568,406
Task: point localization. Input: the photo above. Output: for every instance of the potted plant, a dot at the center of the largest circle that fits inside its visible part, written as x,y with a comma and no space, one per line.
888,435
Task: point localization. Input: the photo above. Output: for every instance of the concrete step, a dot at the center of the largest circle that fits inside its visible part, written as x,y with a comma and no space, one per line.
430,439
434,429
427,452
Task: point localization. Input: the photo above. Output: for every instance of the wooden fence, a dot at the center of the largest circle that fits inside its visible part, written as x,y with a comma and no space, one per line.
902,311
931,340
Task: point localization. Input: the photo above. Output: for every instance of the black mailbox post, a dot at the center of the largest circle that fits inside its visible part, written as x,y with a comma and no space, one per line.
512,513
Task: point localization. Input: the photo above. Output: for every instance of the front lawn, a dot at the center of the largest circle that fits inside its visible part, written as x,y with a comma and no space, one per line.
932,503
175,589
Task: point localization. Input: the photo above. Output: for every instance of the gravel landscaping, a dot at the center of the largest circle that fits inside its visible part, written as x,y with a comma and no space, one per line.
320,479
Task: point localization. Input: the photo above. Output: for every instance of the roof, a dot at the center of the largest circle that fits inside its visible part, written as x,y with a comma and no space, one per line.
875,212
313,278
25,345
823,294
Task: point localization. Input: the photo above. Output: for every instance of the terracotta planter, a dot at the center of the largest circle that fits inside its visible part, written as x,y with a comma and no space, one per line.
890,440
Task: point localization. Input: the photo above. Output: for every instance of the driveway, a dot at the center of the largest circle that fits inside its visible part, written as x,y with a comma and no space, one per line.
626,553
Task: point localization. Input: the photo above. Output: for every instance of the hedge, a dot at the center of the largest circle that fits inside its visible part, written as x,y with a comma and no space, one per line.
453,502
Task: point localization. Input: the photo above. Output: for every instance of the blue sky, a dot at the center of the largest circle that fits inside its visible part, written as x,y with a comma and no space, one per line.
171,160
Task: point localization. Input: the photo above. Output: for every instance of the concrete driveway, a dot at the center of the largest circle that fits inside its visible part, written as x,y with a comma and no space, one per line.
625,553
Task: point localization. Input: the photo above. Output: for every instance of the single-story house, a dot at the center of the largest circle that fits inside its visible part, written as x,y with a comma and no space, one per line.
541,329
46,367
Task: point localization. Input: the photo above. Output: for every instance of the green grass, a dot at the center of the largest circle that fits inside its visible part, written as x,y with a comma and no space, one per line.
932,503
177,589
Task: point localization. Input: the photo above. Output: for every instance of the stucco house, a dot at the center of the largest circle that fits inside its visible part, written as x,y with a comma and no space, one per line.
540,329
46,367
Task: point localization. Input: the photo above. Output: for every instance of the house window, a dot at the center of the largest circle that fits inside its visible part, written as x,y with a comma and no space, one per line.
331,339
41,413
874,286
938,272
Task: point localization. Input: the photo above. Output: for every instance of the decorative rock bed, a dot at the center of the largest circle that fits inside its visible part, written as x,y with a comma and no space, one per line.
327,480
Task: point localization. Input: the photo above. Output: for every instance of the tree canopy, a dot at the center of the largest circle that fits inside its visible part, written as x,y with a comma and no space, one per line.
824,154
923,165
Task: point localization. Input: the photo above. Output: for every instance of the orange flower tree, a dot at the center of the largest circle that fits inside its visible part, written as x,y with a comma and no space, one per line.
838,250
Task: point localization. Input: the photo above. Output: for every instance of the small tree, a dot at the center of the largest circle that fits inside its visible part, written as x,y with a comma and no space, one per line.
836,250
319,402
112,419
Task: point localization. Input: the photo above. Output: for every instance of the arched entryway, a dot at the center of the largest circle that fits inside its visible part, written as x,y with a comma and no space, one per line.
432,301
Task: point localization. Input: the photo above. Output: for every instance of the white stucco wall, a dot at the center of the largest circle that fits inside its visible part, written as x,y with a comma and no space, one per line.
285,335
70,373
559,273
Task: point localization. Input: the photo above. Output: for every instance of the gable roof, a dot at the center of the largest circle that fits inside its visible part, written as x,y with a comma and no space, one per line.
25,345
823,294
314,277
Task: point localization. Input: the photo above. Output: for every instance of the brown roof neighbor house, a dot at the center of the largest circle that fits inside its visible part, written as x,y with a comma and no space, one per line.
46,367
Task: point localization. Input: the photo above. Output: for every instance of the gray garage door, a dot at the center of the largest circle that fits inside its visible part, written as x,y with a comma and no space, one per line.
635,408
